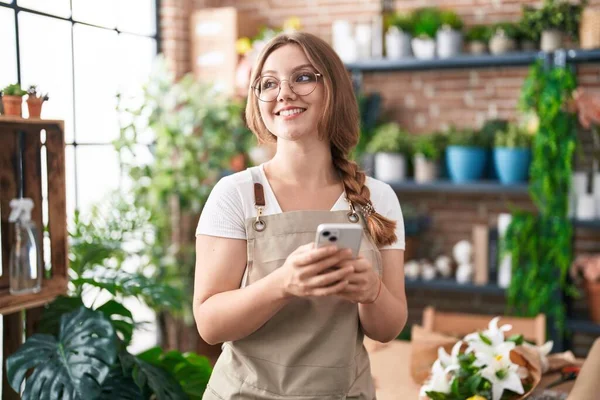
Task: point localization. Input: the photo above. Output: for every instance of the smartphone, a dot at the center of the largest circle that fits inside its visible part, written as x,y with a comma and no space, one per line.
344,236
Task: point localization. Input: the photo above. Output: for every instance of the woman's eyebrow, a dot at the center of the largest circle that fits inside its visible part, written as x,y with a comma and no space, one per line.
293,70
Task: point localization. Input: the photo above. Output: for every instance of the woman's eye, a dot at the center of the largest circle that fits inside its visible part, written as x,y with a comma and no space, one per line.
306,77
268,85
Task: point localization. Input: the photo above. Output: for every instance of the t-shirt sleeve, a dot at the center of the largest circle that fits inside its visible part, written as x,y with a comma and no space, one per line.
391,209
223,213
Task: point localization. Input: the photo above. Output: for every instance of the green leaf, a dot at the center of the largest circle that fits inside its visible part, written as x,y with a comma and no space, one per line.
119,386
70,368
192,371
147,376
50,321
120,317
517,339
485,339
473,382
438,395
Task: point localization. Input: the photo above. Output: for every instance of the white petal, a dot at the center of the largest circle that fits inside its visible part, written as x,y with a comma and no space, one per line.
512,382
546,348
493,325
456,349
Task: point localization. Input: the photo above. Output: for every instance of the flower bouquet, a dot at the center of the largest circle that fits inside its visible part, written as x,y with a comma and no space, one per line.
486,366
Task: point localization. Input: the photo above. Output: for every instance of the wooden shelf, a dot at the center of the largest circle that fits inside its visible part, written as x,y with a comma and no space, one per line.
483,187
583,326
50,290
27,121
513,59
452,286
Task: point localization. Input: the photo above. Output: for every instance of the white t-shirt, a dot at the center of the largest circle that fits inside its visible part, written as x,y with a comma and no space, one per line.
231,202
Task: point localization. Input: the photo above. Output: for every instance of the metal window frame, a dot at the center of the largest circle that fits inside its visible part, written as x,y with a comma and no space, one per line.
17,9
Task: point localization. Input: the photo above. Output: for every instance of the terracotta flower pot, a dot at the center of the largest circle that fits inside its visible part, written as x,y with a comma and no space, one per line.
12,105
35,107
592,290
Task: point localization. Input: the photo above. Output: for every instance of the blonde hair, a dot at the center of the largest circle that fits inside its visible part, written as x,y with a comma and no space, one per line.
339,123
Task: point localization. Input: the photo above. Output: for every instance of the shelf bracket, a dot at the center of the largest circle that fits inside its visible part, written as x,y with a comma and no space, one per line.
560,58
357,80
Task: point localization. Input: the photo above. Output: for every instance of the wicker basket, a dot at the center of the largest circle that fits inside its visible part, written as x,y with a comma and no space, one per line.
589,29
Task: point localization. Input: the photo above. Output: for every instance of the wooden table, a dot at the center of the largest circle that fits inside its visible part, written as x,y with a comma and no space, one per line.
390,366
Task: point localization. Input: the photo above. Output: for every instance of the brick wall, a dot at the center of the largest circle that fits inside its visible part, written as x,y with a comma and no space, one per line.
421,102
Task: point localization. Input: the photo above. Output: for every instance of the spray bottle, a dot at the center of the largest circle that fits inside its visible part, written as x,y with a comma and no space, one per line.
25,262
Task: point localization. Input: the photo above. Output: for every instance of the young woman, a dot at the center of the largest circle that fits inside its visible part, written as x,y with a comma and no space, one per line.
292,325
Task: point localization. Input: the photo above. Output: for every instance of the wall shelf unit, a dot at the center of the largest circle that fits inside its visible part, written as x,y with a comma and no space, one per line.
446,186
514,59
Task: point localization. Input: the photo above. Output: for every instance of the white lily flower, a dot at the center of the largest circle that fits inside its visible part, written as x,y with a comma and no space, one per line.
494,337
486,355
438,382
543,352
502,374
450,360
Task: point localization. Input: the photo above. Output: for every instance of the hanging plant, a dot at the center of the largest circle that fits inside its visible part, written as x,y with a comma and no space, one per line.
541,244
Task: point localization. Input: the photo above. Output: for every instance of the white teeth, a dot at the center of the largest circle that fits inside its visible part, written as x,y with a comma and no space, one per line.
287,113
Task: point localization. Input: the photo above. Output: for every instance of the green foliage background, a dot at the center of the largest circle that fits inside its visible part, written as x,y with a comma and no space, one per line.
541,244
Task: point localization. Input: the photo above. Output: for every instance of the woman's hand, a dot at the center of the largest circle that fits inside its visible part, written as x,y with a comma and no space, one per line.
310,272
364,284
588,107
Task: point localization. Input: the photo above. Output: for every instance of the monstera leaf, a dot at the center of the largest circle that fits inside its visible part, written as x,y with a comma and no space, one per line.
51,317
151,378
192,371
70,368
119,386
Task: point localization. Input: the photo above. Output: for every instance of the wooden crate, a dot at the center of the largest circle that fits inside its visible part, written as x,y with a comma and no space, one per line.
214,32
22,312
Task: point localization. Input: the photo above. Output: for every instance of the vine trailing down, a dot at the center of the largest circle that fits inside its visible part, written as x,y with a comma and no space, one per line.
541,244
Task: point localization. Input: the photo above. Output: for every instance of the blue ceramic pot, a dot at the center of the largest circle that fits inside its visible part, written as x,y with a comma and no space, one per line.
512,164
465,164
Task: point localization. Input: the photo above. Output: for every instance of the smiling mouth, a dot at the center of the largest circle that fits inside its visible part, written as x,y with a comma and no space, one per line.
290,112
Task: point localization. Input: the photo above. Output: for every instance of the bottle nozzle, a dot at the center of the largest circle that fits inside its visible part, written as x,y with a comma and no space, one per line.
20,210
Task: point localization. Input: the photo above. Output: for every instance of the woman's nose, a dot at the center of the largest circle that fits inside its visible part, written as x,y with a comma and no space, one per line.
285,91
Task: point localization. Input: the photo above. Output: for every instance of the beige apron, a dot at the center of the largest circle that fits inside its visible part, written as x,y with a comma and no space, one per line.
313,347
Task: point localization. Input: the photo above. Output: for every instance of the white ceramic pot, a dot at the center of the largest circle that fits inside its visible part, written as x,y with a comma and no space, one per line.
551,40
390,167
397,44
499,44
586,207
425,170
448,42
423,48
579,185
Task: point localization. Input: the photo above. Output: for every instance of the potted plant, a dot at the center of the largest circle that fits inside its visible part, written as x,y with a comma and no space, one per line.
427,21
503,39
85,348
512,154
12,99
449,38
35,101
587,268
477,38
554,21
465,155
527,33
391,146
398,35
427,153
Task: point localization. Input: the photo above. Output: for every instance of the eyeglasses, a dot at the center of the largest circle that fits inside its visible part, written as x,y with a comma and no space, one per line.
267,88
